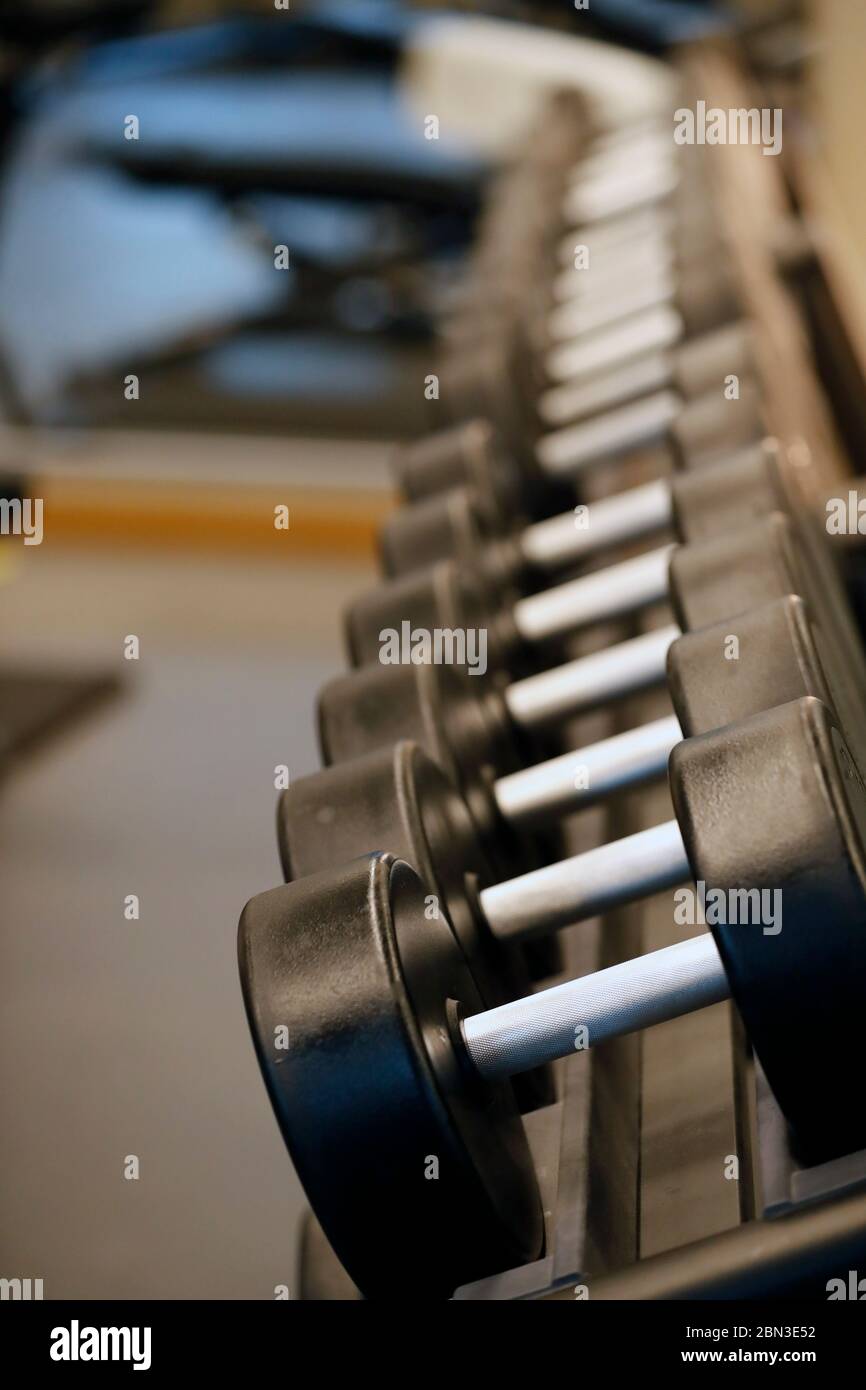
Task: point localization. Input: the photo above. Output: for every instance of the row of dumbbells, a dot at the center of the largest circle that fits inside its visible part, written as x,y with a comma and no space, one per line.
601,314
389,984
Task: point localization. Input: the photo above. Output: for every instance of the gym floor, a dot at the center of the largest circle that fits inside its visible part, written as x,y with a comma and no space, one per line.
121,1037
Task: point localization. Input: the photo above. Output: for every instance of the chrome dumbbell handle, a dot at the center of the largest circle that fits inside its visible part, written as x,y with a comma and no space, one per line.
629,516
654,330
587,885
608,594
568,451
588,774
622,999
562,405
590,681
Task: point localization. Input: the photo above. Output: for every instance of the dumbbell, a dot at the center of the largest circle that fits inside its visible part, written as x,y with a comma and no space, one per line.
364,798
590,262
688,431
476,532
521,211
396,796
690,231
702,294
586,261
702,580
467,726
392,1094
432,599
500,371
483,734
644,174
470,455
627,275
722,497
785,652
623,181
687,272
500,359
475,736
507,383
689,372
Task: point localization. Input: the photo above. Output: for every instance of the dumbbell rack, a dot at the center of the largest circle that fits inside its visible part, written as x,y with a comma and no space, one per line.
772,1182
631,1156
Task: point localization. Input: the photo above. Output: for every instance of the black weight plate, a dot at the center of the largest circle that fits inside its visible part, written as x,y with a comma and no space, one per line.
370,1092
